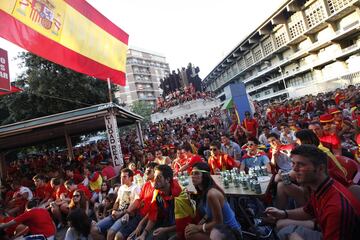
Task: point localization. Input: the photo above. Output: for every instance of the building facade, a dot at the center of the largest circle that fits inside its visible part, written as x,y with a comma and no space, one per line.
305,47
144,70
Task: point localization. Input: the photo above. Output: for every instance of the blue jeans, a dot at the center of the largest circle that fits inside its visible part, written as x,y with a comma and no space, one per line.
109,223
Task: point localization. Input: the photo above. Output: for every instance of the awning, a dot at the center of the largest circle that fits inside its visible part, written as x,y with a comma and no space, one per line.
75,122
13,90
227,104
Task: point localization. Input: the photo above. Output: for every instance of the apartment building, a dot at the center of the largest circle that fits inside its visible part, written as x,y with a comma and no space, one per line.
143,73
305,47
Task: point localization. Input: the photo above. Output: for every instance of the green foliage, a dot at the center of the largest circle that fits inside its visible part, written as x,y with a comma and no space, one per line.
49,89
143,109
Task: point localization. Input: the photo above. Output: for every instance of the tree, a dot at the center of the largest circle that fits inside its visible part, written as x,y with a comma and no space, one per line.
48,89
143,109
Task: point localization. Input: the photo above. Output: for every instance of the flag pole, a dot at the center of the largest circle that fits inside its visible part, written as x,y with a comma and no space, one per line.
109,88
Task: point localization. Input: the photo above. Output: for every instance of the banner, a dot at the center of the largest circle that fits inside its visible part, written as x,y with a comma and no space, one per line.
68,32
114,140
12,90
4,71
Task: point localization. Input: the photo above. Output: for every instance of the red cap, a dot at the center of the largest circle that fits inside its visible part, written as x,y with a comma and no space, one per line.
334,110
325,118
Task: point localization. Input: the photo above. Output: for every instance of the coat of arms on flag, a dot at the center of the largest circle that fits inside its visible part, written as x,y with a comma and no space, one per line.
43,13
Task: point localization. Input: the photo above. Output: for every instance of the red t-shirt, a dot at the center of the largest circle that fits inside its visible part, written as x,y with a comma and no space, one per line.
108,172
155,212
192,161
39,222
336,210
233,128
222,162
82,188
331,140
77,178
10,230
145,197
337,174
251,125
57,193
177,164
43,192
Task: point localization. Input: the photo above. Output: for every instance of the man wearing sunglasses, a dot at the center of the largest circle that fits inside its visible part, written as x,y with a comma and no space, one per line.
219,161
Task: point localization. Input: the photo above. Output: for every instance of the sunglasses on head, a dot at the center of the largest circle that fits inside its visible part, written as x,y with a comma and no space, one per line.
197,172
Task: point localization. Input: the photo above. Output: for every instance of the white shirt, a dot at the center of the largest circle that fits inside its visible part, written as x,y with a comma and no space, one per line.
127,195
290,135
263,139
26,190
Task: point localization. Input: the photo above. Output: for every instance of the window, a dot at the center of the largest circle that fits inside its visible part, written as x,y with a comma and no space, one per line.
314,14
296,25
267,46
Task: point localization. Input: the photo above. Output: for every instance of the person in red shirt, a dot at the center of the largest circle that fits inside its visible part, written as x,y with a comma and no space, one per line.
219,161
43,190
108,171
250,125
328,138
234,123
60,199
138,219
71,187
70,174
334,208
37,219
344,128
190,158
179,161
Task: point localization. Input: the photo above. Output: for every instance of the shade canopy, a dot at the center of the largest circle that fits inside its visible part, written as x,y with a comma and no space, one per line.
52,127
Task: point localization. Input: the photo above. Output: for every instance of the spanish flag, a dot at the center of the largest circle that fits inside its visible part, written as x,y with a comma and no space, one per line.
185,212
68,32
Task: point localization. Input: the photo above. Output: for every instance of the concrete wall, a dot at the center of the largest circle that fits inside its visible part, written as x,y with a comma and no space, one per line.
199,106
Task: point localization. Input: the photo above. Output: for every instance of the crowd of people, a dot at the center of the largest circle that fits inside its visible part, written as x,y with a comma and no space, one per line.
310,145
180,96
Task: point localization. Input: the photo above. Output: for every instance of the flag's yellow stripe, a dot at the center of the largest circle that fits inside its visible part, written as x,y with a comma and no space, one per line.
76,32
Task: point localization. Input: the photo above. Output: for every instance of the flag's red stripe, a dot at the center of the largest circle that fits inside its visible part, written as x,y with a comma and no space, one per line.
24,36
96,17
13,90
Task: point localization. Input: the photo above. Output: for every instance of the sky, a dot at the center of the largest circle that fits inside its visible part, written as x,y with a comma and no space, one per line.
202,32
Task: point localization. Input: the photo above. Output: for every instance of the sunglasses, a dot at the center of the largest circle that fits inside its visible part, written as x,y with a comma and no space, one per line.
76,195
213,149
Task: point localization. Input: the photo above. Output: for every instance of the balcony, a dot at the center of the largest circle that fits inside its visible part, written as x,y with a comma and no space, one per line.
322,24
315,47
272,95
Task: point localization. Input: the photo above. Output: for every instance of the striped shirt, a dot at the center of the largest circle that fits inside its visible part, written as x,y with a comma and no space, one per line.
336,211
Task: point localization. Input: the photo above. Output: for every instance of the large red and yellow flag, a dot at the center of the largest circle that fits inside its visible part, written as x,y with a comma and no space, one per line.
68,32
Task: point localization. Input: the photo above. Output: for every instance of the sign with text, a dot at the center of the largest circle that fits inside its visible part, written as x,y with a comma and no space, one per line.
4,71
114,140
